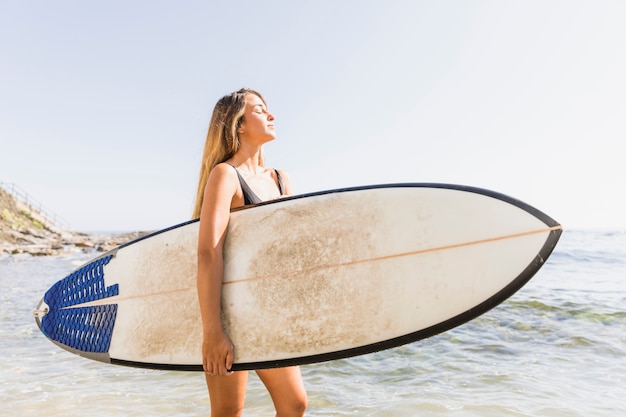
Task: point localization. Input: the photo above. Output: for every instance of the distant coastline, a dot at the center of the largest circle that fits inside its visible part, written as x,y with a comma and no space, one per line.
24,230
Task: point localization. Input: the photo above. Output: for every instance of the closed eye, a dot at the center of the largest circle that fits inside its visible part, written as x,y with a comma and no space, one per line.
259,108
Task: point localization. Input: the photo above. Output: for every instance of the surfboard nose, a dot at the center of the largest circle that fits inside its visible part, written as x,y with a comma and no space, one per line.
41,310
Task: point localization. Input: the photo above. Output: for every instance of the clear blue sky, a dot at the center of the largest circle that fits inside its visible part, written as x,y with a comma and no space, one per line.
104,106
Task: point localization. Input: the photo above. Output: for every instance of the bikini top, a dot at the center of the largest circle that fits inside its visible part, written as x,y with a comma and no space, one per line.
249,197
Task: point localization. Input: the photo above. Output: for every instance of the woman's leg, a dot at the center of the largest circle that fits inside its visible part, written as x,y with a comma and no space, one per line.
286,389
227,393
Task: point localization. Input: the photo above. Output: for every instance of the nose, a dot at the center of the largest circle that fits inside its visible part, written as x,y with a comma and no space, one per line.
270,116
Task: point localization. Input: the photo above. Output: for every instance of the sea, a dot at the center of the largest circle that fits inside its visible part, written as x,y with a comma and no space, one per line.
557,348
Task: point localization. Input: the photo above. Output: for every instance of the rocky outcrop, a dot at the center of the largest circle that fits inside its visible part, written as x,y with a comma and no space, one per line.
24,230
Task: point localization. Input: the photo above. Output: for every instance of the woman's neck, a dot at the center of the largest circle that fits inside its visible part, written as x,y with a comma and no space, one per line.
247,159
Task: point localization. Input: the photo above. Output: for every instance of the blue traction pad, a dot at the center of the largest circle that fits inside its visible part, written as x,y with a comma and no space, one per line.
87,329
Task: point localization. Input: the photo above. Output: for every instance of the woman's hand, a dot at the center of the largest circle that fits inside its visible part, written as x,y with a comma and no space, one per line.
217,353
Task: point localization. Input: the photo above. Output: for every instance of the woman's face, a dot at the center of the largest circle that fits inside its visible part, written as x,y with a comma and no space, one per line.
258,122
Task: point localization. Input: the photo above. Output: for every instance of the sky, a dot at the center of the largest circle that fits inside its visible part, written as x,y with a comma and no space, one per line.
104,106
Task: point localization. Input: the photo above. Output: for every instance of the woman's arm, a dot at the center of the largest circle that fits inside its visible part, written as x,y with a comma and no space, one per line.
217,349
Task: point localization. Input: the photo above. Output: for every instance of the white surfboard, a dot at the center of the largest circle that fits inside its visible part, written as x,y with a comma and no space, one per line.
308,278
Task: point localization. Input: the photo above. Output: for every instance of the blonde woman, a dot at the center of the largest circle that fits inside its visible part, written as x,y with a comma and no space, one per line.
233,175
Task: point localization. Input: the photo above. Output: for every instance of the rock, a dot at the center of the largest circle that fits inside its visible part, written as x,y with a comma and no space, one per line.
24,231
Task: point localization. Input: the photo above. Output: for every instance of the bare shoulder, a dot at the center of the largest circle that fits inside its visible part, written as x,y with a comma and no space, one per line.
222,173
222,182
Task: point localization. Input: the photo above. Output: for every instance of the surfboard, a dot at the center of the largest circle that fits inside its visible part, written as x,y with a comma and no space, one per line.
307,278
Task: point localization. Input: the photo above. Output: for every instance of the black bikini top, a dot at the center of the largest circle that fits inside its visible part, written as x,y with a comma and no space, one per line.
249,197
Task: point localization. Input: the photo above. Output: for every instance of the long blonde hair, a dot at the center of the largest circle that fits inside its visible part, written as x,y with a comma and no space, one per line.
222,141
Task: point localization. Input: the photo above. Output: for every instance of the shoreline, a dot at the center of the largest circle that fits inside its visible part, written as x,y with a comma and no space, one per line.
25,230
51,244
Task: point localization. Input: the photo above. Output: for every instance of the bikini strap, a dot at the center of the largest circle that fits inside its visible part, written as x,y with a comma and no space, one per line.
281,187
249,197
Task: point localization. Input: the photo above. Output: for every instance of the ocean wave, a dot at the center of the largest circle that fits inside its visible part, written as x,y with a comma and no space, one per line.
570,310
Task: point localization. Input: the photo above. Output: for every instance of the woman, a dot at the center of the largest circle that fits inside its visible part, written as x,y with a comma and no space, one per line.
233,175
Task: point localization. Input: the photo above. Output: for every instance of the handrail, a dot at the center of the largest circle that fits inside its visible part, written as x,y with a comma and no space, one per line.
21,195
